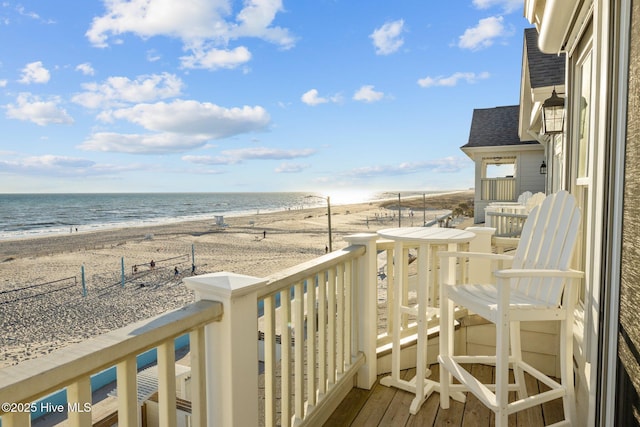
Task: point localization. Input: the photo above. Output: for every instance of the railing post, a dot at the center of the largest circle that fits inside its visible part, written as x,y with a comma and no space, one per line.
367,300
480,269
231,348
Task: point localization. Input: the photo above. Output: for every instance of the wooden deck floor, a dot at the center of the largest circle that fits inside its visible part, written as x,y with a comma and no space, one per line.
389,406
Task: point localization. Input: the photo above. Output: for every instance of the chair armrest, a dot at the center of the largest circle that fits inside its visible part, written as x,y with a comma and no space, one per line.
485,255
532,272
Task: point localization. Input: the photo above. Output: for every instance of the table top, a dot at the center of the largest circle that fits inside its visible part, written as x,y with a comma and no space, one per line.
427,234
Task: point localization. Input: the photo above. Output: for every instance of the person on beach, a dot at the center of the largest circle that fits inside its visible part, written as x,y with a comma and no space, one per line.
264,234
175,271
152,264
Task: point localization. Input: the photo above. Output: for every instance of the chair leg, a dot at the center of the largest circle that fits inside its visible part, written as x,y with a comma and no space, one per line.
566,370
446,344
502,368
516,355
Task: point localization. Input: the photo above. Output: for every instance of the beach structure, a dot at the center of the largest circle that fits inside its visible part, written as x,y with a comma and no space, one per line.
330,374
510,138
505,165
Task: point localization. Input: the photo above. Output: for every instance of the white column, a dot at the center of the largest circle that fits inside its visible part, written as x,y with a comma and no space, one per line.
367,298
231,348
480,269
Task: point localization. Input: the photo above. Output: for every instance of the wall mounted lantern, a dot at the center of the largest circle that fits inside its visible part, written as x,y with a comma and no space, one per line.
543,168
553,115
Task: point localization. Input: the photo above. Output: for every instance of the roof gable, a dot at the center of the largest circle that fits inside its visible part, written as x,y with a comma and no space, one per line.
494,127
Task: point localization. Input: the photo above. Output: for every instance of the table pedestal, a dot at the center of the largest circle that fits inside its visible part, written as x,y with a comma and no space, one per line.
420,385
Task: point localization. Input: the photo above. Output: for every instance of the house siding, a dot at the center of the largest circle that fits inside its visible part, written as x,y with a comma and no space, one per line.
628,409
529,172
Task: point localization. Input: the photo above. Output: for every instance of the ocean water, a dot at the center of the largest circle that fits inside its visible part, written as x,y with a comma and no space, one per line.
30,215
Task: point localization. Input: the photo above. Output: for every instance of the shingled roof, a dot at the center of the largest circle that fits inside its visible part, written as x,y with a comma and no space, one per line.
494,127
544,69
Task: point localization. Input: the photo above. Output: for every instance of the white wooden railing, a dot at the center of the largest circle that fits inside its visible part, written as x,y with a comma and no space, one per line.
320,337
502,189
22,385
321,309
321,365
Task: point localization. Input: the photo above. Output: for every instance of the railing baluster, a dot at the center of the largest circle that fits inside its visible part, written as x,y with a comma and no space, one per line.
285,362
322,333
390,294
331,326
404,260
298,325
348,313
311,341
79,394
16,419
167,384
198,383
269,361
127,392
340,319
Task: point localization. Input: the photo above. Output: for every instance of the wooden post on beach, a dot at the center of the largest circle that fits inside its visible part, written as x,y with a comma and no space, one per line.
122,269
193,254
84,285
231,347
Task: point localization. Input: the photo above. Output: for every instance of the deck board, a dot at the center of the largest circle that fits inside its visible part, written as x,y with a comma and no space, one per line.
389,406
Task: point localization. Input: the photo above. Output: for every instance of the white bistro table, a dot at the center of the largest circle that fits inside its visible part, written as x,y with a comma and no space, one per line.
426,239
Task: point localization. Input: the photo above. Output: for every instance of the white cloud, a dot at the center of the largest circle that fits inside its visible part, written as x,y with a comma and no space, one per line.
267,153
24,12
443,165
153,55
195,118
483,34
158,143
311,98
255,21
62,166
387,39
453,79
228,157
3,83
32,108
291,167
507,5
177,126
214,59
119,90
86,69
198,23
367,94
35,72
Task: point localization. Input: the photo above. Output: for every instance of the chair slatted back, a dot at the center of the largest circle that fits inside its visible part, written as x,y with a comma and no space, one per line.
534,201
547,241
524,197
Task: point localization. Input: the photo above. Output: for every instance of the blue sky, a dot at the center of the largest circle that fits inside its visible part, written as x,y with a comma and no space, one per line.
259,95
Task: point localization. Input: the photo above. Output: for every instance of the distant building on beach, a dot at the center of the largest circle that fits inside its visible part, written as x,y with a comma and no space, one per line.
506,143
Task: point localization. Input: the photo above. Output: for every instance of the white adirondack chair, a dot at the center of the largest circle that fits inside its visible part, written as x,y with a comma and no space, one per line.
506,207
539,286
508,220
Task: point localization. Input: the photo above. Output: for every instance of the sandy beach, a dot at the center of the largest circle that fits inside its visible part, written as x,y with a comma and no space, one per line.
37,316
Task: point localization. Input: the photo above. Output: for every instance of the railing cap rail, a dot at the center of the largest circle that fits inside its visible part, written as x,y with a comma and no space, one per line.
35,378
